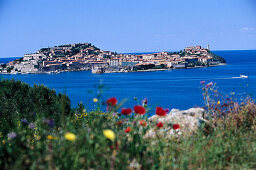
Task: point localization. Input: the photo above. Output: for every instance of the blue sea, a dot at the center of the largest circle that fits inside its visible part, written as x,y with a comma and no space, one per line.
6,60
179,89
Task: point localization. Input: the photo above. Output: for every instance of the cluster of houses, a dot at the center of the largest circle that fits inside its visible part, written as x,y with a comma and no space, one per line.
85,56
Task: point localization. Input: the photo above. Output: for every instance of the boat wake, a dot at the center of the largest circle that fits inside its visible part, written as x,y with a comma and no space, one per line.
236,77
241,77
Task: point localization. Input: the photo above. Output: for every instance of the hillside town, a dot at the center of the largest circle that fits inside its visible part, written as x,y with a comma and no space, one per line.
85,56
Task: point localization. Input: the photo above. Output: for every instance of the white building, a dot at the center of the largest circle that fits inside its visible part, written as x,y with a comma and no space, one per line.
34,56
114,62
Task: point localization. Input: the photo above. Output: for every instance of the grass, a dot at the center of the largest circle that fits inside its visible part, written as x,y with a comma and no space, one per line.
225,142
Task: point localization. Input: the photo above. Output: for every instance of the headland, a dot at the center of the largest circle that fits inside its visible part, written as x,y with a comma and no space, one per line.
85,56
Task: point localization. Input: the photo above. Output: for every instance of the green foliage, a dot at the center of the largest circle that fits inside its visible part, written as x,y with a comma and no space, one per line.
44,49
228,144
217,58
3,65
32,148
74,51
19,100
96,48
9,69
183,53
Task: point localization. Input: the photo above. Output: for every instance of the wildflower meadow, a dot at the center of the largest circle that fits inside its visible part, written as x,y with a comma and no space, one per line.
40,130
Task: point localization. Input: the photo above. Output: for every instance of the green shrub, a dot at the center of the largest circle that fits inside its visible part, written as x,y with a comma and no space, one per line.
19,100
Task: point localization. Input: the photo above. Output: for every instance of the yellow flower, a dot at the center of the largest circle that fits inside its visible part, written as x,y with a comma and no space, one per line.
70,136
95,100
50,137
218,102
3,141
37,136
109,134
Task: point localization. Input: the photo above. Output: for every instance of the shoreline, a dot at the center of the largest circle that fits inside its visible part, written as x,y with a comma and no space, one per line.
148,70
153,70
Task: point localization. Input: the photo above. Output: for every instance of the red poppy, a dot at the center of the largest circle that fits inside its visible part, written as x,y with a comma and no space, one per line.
139,110
160,111
127,130
119,123
143,123
159,124
125,111
175,126
112,101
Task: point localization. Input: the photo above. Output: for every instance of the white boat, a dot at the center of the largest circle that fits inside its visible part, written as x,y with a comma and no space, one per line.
243,76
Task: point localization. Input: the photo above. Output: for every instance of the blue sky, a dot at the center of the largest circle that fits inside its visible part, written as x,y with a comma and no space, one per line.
126,25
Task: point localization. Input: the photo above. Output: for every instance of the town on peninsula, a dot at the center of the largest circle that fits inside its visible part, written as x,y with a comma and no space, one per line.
85,56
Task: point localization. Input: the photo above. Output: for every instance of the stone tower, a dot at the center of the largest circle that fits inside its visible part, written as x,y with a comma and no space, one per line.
208,47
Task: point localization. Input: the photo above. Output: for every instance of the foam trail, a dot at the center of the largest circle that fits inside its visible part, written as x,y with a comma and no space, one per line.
229,78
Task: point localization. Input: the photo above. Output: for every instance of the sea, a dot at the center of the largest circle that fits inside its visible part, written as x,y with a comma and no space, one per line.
180,89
